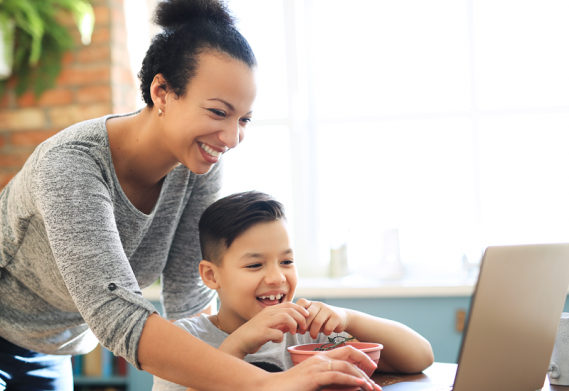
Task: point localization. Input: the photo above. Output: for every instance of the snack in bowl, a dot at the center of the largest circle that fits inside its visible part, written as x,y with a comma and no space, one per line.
299,353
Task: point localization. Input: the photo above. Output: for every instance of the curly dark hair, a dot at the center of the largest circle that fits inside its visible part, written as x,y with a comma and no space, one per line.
190,28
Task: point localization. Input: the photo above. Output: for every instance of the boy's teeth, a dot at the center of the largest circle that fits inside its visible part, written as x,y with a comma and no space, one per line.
272,297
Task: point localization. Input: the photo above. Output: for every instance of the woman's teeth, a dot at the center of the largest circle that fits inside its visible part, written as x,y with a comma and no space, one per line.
209,150
272,297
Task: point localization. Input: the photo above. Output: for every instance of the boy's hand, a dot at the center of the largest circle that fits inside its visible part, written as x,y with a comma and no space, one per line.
268,325
324,318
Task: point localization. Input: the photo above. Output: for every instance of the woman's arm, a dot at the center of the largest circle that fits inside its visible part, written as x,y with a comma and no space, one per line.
172,354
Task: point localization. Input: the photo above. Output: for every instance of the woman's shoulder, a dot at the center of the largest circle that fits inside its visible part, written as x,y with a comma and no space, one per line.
87,136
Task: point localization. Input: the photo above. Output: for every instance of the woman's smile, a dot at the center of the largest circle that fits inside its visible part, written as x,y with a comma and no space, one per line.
209,154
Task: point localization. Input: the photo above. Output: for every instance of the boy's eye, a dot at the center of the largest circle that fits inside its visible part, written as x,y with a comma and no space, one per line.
217,112
253,266
288,262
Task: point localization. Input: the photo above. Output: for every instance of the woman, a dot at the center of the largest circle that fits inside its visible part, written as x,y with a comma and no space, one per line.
107,206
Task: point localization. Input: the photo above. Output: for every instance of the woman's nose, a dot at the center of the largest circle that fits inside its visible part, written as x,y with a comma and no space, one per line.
231,135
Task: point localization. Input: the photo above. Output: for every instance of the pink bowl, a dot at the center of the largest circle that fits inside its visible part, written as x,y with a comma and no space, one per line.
299,353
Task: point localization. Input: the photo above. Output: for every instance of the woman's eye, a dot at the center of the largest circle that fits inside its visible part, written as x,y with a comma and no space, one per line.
217,112
245,120
288,262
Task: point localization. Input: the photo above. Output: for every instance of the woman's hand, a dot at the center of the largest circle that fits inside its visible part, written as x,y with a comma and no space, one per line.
268,325
332,367
324,318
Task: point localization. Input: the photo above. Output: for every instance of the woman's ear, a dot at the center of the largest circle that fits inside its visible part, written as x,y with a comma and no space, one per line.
207,273
158,91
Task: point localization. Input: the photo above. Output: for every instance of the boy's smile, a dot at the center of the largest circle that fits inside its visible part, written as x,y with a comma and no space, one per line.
270,298
257,271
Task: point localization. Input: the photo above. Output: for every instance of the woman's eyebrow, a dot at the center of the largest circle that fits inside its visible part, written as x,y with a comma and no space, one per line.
227,104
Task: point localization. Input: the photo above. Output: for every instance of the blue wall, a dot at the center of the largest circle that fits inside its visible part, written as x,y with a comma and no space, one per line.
432,317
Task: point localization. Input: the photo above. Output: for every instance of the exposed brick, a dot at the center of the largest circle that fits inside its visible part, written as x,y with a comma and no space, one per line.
94,94
48,98
5,100
16,159
68,58
22,119
101,15
31,139
26,100
93,53
96,80
56,97
101,35
84,75
64,116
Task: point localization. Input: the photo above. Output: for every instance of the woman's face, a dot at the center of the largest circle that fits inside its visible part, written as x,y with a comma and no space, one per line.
211,117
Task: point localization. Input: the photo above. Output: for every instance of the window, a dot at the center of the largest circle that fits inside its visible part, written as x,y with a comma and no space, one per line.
446,120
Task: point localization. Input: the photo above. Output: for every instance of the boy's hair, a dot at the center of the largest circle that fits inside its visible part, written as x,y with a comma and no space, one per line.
224,220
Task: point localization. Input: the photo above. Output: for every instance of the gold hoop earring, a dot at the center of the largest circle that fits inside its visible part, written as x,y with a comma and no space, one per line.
160,112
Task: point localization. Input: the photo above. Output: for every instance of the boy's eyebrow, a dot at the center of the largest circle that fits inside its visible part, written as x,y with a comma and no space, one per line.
260,255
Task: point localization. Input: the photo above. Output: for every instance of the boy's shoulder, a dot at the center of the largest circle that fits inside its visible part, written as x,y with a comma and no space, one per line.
201,327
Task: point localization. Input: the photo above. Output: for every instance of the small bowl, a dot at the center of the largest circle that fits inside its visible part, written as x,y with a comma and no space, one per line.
299,353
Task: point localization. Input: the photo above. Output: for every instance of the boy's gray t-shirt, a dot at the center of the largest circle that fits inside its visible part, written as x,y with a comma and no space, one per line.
75,252
272,353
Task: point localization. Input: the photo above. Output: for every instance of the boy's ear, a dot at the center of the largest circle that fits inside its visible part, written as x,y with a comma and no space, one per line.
207,273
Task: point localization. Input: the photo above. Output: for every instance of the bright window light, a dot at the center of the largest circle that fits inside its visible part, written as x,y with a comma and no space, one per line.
443,119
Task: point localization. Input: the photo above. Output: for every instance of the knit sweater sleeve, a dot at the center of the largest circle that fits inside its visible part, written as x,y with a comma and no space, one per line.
183,291
73,195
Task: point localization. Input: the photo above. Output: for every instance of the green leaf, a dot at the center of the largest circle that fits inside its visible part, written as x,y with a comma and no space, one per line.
40,40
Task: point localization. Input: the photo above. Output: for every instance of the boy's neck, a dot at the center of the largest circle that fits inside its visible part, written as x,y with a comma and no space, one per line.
226,322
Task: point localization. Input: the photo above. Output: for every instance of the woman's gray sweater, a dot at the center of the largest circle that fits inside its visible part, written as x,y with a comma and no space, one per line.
74,252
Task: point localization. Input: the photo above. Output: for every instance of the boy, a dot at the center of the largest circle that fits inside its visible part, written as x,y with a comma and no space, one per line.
248,260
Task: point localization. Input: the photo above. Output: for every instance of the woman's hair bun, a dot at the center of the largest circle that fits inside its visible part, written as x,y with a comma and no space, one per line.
173,13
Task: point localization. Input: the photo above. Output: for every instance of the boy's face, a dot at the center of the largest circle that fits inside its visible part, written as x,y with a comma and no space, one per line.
257,271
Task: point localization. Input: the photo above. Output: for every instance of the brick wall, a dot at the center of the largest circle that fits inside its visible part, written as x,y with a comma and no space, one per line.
96,80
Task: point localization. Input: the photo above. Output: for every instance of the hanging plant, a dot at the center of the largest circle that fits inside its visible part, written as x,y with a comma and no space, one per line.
40,40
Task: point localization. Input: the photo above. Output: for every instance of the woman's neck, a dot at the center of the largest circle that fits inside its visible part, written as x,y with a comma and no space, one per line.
140,161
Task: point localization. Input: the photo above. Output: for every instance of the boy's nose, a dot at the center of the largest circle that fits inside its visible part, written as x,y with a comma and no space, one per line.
275,277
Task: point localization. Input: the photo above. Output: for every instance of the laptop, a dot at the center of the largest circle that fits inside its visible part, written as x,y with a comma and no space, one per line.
513,320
